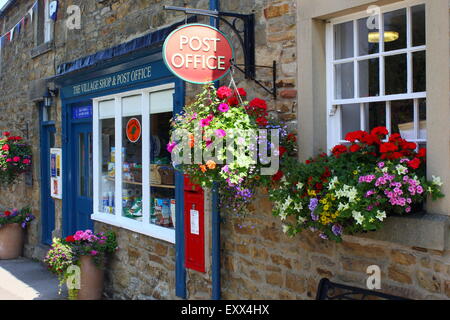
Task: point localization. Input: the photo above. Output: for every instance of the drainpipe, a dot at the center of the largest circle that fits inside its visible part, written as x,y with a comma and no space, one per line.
216,290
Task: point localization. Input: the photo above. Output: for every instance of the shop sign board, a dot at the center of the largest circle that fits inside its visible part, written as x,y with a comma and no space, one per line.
198,53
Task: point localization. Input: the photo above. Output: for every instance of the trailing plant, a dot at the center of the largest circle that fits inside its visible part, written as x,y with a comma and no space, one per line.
15,158
355,188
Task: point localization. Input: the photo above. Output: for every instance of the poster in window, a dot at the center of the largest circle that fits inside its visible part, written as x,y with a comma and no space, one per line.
56,173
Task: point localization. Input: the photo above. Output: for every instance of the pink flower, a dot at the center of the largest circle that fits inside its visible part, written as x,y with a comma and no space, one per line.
16,159
223,107
9,160
205,122
419,190
94,253
26,161
221,133
224,92
171,146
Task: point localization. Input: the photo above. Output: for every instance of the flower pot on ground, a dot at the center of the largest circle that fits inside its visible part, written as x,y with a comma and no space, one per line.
12,225
91,282
11,241
78,260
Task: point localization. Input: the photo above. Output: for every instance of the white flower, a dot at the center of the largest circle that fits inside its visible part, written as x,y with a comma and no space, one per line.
300,186
298,206
401,169
343,207
437,181
358,217
333,183
301,220
285,228
381,215
385,170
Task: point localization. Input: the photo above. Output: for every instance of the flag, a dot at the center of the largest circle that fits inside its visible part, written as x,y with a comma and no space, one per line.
53,8
11,34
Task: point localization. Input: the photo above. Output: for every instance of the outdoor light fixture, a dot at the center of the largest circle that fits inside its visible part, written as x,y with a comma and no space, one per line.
48,97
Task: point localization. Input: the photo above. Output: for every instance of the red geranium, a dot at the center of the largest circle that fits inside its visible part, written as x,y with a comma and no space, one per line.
262,121
339,149
258,103
278,176
415,163
224,92
370,139
70,239
6,147
422,153
7,213
6,133
380,132
354,136
233,101
282,150
388,147
241,92
291,137
355,148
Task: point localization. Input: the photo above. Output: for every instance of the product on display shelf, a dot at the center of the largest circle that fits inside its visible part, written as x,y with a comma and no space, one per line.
173,211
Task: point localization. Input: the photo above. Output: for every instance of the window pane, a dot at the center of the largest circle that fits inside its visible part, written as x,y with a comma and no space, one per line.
396,73
91,167
351,118
344,81
403,118
419,71
81,165
132,158
376,113
162,174
418,25
107,158
369,78
343,40
423,119
365,29
395,30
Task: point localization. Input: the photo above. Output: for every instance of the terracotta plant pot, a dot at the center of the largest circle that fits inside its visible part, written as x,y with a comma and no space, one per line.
11,241
91,281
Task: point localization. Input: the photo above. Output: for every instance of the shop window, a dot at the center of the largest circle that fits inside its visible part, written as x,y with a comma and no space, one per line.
376,69
134,181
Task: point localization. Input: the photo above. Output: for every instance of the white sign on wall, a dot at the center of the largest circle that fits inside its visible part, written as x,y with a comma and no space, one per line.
56,173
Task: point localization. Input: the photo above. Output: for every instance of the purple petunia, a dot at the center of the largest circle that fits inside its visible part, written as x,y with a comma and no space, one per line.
337,229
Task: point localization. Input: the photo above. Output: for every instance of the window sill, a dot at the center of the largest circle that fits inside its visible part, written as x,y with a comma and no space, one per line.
429,231
42,49
153,231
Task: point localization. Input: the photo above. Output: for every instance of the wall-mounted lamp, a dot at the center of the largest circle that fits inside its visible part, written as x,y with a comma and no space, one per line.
48,97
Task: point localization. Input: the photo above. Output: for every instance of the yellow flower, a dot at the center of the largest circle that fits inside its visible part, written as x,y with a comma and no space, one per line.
326,208
355,172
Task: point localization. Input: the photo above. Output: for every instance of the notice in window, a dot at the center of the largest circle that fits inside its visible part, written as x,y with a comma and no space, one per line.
195,225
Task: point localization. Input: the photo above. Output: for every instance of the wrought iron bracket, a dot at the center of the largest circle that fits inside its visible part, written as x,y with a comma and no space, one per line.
246,37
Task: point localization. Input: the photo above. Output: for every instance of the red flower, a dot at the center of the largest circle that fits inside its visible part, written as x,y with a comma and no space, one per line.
262,121
415,163
388,147
355,148
339,149
233,101
370,139
327,173
7,213
6,147
395,137
26,161
380,132
282,150
422,153
224,92
258,103
70,239
278,176
319,186
6,133
241,92
397,155
16,159
409,145
356,135
292,137
308,161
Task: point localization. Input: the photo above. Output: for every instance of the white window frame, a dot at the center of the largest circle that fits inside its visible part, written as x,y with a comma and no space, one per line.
116,219
48,23
334,106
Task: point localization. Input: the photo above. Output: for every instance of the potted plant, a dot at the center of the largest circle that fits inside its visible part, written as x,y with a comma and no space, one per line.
15,158
12,226
355,188
79,260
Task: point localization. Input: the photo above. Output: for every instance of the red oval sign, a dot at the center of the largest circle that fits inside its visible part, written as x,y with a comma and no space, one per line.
198,53
134,130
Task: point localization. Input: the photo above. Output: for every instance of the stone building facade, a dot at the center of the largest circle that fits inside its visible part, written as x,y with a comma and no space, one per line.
259,262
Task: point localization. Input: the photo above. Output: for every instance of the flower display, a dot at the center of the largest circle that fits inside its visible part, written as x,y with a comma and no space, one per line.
15,158
355,188
66,252
23,217
222,117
